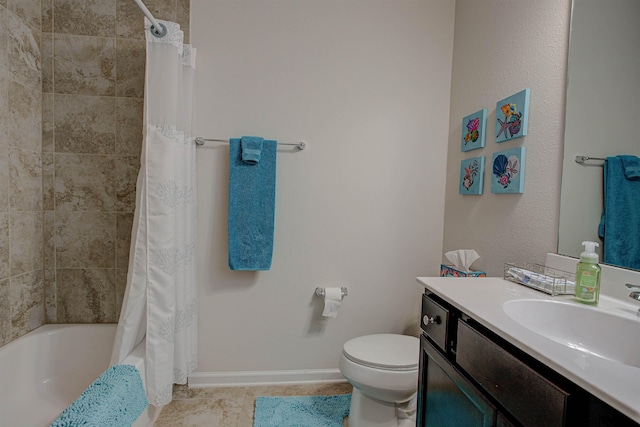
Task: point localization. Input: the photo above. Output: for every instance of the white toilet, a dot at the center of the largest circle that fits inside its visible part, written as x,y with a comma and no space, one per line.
383,370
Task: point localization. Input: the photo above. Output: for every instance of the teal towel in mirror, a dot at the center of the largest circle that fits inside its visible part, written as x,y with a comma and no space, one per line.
252,198
620,223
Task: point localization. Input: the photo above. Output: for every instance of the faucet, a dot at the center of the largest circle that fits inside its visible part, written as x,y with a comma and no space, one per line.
635,294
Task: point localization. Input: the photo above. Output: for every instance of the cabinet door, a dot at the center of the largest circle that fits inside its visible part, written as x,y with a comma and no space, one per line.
446,398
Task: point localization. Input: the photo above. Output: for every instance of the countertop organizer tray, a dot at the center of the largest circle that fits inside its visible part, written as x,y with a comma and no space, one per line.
541,278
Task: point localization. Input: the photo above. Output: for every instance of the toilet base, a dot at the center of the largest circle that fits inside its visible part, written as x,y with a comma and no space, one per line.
367,412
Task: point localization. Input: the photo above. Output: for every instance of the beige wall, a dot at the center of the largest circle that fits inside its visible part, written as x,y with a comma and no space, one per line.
500,48
71,89
366,84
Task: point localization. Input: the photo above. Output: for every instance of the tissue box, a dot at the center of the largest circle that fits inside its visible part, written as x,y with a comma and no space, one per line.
449,271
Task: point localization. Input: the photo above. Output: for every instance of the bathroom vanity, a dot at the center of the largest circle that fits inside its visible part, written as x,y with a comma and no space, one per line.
495,353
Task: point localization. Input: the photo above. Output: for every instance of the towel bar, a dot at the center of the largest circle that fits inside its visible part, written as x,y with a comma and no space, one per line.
200,141
582,159
320,291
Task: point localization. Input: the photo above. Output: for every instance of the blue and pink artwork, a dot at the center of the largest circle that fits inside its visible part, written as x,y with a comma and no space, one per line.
473,130
472,176
507,172
512,116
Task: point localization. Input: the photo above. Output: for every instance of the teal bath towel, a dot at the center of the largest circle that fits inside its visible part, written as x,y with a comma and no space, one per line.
252,198
620,223
115,399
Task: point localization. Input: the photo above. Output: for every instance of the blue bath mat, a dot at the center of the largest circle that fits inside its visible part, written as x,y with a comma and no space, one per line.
301,411
115,399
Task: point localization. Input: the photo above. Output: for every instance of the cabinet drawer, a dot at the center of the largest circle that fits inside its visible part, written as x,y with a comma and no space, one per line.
435,322
527,395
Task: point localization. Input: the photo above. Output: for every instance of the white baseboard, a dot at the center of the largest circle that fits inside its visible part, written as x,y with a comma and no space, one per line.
256,378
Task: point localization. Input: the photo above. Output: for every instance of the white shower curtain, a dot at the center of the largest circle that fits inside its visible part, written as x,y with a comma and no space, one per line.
160,299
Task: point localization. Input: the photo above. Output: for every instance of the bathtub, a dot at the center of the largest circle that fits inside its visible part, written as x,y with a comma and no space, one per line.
42,372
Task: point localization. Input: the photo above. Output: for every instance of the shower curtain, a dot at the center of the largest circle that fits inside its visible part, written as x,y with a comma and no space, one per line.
160,302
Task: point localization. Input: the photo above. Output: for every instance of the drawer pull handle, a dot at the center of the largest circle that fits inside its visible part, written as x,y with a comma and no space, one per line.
426,319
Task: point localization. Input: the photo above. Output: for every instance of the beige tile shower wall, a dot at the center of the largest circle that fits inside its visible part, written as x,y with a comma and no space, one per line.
21,202
93,55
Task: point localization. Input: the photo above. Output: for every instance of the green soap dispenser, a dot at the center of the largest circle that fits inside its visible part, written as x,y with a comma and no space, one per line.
588,275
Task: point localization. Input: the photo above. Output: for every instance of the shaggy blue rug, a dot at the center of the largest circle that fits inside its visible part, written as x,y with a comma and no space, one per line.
301,411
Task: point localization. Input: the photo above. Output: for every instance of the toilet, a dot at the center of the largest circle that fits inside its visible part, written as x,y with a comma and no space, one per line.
383,370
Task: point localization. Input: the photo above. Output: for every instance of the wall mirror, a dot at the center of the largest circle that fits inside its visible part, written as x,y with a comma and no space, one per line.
603,104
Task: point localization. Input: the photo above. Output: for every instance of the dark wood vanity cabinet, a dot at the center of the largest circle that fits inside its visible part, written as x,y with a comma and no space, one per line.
447,398
471,377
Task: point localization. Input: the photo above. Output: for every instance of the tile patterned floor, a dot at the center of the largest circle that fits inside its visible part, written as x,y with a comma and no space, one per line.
230,406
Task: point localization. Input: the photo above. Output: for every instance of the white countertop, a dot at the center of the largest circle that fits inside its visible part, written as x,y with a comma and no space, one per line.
481,298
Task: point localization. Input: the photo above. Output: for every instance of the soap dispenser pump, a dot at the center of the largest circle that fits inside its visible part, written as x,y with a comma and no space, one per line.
588,275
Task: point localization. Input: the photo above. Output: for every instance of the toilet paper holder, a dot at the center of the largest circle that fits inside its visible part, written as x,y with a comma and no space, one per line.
321,292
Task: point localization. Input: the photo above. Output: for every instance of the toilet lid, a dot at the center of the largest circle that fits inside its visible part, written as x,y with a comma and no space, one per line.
390,351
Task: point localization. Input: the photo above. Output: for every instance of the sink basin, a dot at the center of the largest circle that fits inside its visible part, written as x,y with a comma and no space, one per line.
587,329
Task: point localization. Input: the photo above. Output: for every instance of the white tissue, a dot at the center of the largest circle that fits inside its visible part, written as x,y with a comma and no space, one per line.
462,258
332,302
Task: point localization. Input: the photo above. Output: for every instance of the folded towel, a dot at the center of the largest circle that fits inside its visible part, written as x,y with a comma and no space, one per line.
115,399
620,223
631,165
251,149
252,198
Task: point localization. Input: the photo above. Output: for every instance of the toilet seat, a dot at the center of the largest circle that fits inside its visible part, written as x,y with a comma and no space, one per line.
384,351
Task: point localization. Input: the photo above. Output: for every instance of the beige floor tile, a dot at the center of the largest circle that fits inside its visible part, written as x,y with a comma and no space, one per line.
182,392
200,413
231,406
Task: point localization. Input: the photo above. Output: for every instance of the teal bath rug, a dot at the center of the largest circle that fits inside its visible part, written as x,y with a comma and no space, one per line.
301,411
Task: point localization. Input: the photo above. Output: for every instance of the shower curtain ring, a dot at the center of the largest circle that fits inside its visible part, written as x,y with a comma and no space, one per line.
158,32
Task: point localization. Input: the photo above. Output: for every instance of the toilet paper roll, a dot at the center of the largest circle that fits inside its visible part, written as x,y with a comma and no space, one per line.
332,302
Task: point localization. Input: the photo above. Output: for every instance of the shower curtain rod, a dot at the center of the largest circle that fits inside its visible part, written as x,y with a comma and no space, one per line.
157,29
